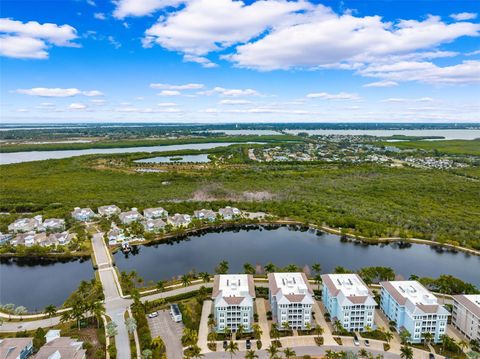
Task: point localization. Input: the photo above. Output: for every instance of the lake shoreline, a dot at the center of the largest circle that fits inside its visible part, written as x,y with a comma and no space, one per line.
211,228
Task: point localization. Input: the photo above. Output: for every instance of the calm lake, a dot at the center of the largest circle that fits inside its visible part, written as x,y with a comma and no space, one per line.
18,157
35,284
203,158
283,246
450,134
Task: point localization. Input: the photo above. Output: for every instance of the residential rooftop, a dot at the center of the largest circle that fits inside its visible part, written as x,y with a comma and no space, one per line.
413,291
350,284
290,283
471,302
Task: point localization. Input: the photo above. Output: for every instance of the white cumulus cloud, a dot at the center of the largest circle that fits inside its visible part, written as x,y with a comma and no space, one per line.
334,96
462,16
168,93
189,86
126,8
31,40
58,92
77,106
229,92
383,83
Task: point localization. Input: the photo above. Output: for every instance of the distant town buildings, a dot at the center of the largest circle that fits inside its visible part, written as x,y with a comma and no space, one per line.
347,299
233,296
466,315
413,308
291,300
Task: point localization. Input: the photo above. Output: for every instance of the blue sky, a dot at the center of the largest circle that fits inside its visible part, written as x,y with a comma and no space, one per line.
232,61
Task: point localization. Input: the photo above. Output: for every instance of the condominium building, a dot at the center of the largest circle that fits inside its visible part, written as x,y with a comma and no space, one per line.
291,300
153,213
347,299
130,216
413,308
466,315
233,296
82,214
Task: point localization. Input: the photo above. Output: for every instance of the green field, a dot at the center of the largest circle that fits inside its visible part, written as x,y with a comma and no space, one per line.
449,147
370,200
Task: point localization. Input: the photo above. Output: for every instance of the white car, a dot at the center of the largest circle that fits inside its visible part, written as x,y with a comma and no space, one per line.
153,315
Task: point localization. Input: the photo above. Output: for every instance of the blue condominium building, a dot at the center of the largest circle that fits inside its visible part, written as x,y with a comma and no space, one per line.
413,308
347,299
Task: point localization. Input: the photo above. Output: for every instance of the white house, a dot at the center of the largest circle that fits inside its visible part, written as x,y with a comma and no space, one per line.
179,220
115,235
54,224
414,308
229,212
61,239
347,299
109,210
233,296
203,214
22,225
82,214
291,299
57,347
152,213
130,216
154,225
466,315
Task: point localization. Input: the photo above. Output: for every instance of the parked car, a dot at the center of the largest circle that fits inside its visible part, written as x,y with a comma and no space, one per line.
431,356
153,315
248,345
356,342
225,344
367,342
175,313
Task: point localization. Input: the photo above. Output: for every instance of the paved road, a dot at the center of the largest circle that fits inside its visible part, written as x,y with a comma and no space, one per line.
311,350
203,330
164,327
10,327
115,305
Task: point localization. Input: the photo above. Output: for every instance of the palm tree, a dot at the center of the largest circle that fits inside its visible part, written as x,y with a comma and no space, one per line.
161,285
196,352
112,329
308,327
404,336
269,267
463,344
205,277
388,335
272,351
248,268
317,268
98,309
406,352
131,325
186,280
274,332
286,326
362,353
228,332
232,348
222,267
50,310
289,353
240,330
250,354
257,331
427,338
318,331
318,280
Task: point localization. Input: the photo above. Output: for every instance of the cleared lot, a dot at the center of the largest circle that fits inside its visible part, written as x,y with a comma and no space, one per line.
164,327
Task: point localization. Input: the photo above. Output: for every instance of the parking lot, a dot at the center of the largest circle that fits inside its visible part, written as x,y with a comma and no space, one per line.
170,332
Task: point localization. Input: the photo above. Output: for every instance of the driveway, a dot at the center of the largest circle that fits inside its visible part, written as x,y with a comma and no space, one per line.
263,322
203,330
164,327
